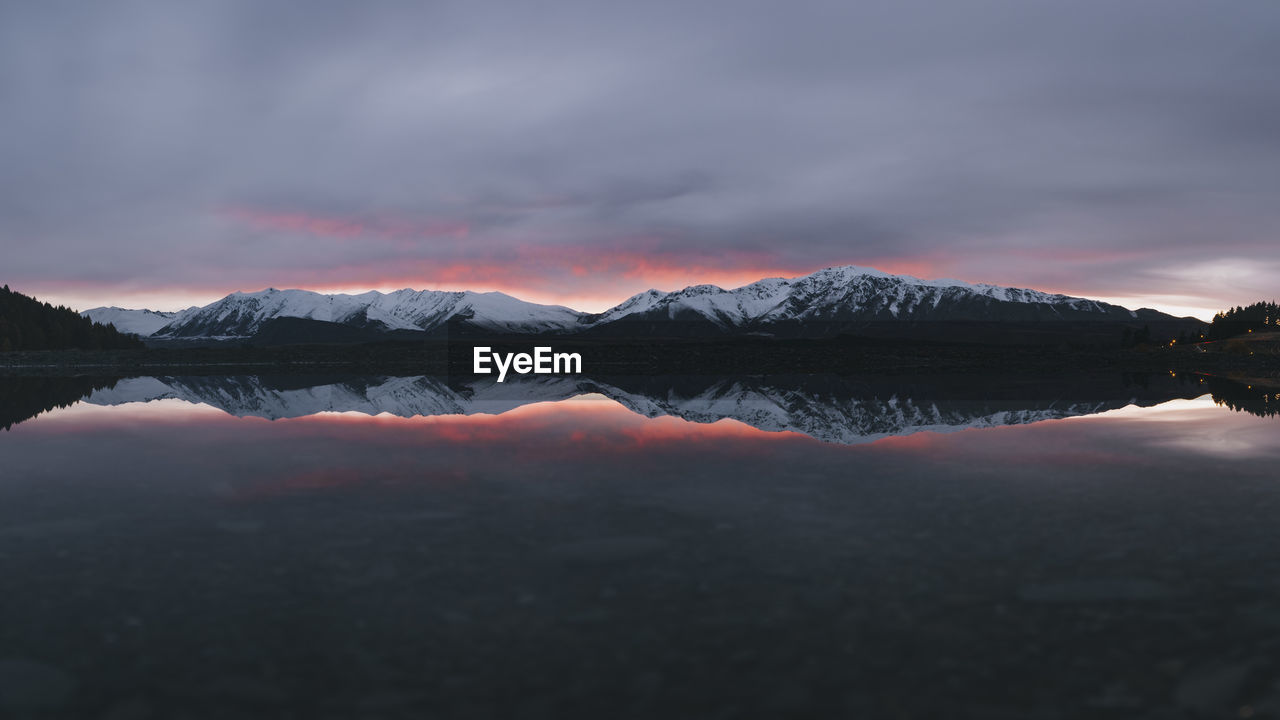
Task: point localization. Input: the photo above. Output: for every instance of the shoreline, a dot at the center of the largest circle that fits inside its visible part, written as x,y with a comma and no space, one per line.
742,356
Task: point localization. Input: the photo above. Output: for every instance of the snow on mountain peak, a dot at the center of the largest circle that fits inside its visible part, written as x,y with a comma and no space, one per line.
134,322
241,314
846,293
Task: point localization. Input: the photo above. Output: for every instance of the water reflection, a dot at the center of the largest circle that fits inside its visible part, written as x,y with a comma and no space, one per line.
845,410
614,553
22,398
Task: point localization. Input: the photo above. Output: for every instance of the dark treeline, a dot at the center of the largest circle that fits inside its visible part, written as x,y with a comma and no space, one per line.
1240,320
28,324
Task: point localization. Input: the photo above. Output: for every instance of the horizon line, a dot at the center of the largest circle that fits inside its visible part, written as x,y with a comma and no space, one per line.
169,301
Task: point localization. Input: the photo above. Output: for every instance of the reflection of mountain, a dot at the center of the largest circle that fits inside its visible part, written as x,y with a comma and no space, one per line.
829,408
276,397
852,411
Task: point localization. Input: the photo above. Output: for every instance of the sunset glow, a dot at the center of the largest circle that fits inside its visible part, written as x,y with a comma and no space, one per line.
598,292
658,359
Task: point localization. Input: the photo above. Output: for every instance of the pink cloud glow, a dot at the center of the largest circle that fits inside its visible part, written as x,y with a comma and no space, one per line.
388,252
346,228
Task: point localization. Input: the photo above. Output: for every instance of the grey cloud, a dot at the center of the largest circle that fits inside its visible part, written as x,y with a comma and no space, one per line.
817,132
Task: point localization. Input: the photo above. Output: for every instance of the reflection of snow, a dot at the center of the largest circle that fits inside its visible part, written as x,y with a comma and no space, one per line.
250,396
1253,437
165,410
1170,410
833,413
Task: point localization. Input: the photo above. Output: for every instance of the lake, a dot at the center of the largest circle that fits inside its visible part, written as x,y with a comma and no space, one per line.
390,547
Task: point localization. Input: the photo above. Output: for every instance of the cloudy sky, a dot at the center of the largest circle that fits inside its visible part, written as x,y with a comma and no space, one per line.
165,154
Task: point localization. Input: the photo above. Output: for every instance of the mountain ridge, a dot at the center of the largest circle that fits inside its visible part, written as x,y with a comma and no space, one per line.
829,301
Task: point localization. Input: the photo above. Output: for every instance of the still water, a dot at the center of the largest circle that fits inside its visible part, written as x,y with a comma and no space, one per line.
311,547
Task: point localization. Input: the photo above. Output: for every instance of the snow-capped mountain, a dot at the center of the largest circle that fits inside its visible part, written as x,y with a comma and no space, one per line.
242,315
829,301
135,322
850,294
828,409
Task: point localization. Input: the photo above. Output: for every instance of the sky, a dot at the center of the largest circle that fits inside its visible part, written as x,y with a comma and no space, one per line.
166,154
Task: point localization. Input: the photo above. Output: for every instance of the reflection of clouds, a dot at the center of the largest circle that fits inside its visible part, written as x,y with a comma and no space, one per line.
1223,433
1199,426
1259,443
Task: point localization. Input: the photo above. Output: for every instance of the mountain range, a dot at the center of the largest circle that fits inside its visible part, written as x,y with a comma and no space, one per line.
827,302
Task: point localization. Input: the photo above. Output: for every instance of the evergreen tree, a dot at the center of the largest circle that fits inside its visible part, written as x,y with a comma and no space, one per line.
1258,317
28,324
